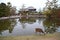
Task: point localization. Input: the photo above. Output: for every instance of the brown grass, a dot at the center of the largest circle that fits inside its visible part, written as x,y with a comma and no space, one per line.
55,36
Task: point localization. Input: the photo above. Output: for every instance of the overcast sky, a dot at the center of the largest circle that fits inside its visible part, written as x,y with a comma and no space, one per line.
18,3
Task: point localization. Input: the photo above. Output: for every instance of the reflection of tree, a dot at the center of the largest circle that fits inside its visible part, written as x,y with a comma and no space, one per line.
23,25
7,25
13,22
0,33
24,20
51,24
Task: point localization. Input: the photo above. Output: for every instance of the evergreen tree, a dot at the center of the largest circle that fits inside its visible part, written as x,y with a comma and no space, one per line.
4,10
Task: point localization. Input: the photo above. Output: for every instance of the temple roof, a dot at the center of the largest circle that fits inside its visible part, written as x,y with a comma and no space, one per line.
31,7
27,9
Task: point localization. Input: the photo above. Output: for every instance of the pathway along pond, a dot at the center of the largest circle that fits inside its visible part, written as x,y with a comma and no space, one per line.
23,26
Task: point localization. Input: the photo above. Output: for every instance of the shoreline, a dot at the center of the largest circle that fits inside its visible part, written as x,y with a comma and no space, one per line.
1,18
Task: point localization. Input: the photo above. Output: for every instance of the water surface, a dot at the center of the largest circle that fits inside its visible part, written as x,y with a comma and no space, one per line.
18,27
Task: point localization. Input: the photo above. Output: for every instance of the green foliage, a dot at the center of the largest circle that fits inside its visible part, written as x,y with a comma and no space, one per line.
47,12
51,9
4,10
7,24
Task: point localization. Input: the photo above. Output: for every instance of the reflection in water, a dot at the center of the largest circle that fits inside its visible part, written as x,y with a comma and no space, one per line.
25,20
29,20
51,25
7,24
23,26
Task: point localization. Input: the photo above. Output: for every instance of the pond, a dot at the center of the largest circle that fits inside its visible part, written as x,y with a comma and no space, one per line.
24,26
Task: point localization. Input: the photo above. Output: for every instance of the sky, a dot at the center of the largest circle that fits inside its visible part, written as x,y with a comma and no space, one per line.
38,4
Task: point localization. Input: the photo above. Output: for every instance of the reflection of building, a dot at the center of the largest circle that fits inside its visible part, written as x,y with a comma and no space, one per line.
27,10
29,20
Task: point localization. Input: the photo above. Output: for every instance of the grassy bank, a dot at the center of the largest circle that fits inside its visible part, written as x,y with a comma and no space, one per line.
55,36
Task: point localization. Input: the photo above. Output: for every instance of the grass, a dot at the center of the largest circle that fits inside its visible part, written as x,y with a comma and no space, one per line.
54,36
